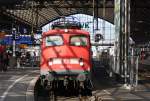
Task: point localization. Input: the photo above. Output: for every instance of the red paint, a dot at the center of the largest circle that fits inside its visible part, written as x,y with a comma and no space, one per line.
65,52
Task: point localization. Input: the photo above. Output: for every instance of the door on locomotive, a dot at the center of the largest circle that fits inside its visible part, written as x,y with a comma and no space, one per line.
65,54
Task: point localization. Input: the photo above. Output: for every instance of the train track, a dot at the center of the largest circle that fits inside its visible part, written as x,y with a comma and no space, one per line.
71,98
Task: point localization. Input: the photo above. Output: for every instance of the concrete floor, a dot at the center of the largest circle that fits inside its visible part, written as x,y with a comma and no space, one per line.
14,84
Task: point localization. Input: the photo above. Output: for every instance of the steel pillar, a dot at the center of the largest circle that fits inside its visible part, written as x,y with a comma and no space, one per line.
123,37
96,14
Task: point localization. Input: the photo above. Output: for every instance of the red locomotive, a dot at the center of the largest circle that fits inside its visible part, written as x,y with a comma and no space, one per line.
65,57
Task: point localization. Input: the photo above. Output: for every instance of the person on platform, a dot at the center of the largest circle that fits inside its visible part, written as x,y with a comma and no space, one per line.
2,51
1,61
5,61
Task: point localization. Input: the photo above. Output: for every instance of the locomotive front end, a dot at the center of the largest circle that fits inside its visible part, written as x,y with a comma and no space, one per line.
66,59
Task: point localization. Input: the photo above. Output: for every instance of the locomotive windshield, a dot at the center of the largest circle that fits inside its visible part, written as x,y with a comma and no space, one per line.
54,40
78,40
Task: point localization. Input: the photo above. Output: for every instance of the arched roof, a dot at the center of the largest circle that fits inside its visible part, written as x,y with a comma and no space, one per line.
28,11
41,12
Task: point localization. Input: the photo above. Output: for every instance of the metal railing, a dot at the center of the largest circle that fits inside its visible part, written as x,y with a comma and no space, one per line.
129,72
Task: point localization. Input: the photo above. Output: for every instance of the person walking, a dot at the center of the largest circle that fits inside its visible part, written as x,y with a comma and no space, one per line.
5,61
2,49
1,61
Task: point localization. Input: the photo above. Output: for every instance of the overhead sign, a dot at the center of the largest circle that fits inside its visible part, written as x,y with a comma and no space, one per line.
23,39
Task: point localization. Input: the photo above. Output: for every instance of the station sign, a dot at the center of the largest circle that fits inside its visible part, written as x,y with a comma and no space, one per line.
85,25
21,39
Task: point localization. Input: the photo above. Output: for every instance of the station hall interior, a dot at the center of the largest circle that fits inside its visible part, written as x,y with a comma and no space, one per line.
118,47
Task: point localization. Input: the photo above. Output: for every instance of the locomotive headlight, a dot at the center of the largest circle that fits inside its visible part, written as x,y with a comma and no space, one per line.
81,62
50,63
81,77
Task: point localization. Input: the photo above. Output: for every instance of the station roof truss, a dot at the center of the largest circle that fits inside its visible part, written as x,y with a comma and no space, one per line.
37,13
140,21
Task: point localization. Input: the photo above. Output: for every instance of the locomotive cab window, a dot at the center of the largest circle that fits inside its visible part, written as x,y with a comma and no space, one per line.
54,40
78,40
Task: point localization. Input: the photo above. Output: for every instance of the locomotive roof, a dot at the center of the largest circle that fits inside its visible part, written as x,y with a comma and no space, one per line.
70,22
62,31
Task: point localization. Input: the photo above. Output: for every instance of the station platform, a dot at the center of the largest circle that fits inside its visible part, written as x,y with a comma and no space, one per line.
120,93
18,85
108,89
15,84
